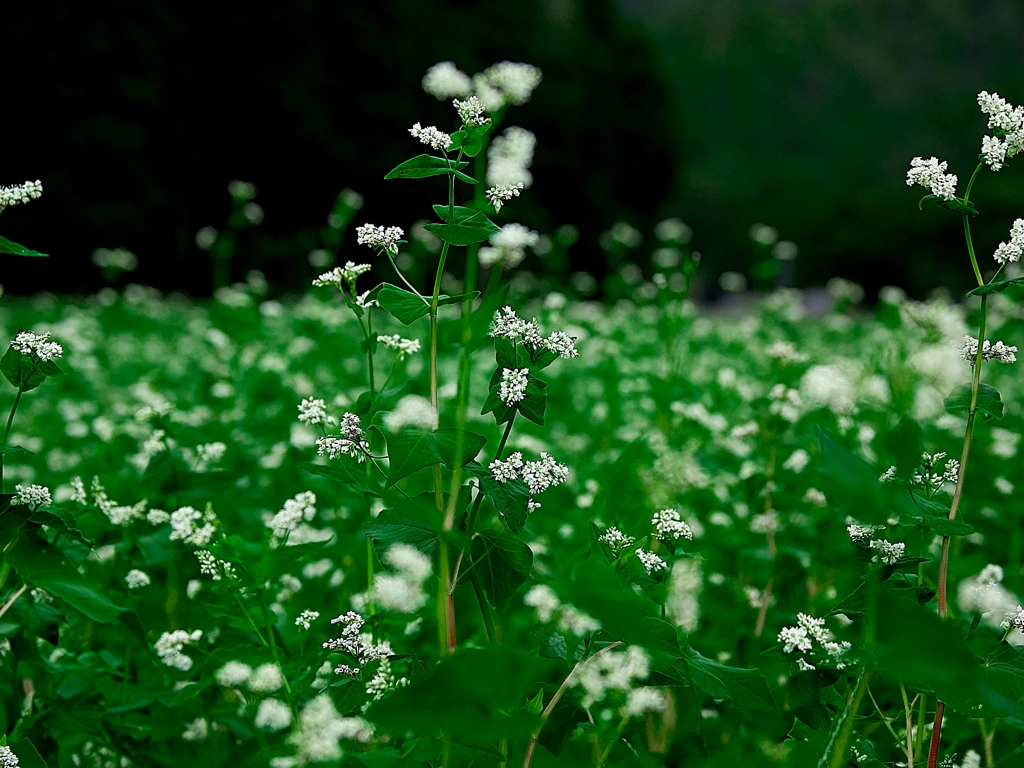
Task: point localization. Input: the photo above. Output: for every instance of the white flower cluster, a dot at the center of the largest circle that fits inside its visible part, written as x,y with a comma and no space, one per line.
118,514
509,158
444,80
197,730
669,526
650,561
616,540
513,385
888,553
37,345
508,246
351,442
786,402
34,496
567,617
312,411
295,510
355,643
401,347
805,634
273,715
192,526
341,275
538,475
932,174
171,644
20,193
471,111
209,453
999,352
7,758
410,411
1016,619
640,701
784,353
266,678
385,238
136,579
888,476
384,681
984,593
501,194
611,671
432,137
305,619
320,727
1011,251
508,325
214,567
860,532
933,474
1007,123
402,591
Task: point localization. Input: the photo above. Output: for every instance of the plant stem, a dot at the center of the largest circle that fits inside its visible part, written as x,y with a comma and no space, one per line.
839,748
10,601
7,433
556,698
933,750
908,712
608,748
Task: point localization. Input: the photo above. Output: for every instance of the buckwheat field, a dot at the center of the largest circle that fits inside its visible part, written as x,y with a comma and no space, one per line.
438,512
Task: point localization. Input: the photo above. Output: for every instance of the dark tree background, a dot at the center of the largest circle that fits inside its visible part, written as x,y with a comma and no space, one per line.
797,113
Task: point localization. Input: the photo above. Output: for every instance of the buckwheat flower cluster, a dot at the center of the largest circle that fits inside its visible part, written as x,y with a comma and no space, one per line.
933,474
444,80
320,728
197,730
471,111
384,238
508,325
37,346
568,618
669,526
78,494
213,567
616,540
650,561
784,353
171,644
785,402
513,385
509,158
363,300
234,674
192,526
312,411
888,553
984,593
1015,620
640,701
302,507
508,246
351,442
501,194
7,758
432,137
273,715
538,475
1010,251
888,476
611,671
341,275
932,174
803,637
515,80
136,579
402,591
401,347
384,681
355,643
1007,123
20,193
860,532
34,496
999,352
266,678
305,619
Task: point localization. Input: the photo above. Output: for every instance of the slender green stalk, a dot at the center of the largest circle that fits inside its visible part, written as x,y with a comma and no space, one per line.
608,748
248,618
846,718
7,433
908,713
273,647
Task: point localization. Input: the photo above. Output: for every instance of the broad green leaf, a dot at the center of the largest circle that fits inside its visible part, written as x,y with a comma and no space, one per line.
848,481
447,446
503,562
470,139
404,306
6,246
989,405
956,206
19,370
468,226
5,449
422,166
743,687
28,755
532,406
442,300
390,527
509,498
347,471
997,286
941,526
410,452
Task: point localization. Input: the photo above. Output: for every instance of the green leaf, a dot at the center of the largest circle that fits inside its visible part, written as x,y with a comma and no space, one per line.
957,205
28,755
447,445
402,305
503,561
466,227
410,452
743,687
391,527
423,166
989,405
278,560
345,470
6,246
5,449
943,526
509,498
995,287
459,299
20,371
470,139
848,481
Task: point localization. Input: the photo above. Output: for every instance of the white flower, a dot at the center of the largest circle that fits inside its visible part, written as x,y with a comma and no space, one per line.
932,174
682,601
197,730
643,700
402,591
509,158
38,346
544,600
471,111
615,539
312,411
266,678
651,562
797,461
507,324
233,674
341,275
352,441
794,638
611,671
273,715
1012,250
827,385
561,344
888,476
170,645
502,194
213,567
544,474
306,619
20,193
136,579
34,496
859,532
1006,122
517,81
385,681
78,494
574,621
1015,619
669,526
804,666
432,137
509,469
364,302
513,385
411,410
7,758
785,353
401,347
209,453
888,553
509,246
994,151
295,510
184,526
999,352
444,80
380,237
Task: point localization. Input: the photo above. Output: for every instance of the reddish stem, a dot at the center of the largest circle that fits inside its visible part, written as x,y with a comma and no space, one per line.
933,751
